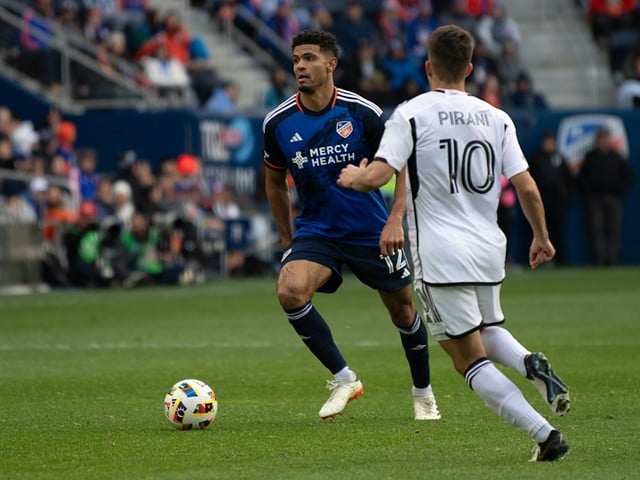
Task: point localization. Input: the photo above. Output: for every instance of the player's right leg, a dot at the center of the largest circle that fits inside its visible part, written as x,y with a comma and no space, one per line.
297,282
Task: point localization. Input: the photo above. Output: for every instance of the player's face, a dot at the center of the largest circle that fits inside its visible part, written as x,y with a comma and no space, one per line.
311,67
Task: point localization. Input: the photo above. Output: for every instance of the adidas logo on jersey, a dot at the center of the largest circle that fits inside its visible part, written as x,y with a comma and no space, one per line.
296,138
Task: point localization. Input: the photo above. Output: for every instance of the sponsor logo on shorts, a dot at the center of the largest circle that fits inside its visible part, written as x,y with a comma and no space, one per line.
286,254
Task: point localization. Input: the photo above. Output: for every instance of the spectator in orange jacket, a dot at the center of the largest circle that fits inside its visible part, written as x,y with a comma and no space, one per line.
175,36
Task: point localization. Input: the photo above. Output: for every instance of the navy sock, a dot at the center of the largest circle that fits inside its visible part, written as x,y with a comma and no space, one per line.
415,344
316,335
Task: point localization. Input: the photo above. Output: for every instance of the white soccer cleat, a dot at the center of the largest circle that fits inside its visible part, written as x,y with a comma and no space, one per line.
425,407
341,394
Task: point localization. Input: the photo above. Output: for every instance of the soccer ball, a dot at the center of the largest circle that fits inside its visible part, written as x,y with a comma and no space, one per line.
190,404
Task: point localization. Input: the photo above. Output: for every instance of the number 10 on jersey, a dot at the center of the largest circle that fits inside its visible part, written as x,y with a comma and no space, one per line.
468,168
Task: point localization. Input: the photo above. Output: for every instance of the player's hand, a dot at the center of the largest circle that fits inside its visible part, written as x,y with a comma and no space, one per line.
540,251
349,173
392,236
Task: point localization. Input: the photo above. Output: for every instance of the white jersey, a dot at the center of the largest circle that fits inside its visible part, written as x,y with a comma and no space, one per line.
456,147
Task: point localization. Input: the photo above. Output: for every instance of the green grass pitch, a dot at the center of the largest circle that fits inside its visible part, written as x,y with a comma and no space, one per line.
83,375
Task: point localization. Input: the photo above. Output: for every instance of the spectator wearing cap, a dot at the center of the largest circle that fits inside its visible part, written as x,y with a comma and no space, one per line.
123,202
37,195
66,142
524,95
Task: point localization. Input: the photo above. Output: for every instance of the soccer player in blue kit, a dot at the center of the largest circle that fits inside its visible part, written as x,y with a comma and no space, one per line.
313,135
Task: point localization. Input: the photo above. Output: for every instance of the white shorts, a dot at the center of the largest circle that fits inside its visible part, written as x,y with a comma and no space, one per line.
456,311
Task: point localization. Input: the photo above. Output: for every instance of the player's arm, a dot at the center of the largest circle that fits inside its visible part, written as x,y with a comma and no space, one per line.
392,236
279,199
366,176
541,249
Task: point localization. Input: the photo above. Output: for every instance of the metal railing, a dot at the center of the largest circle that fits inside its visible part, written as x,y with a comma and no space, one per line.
75,49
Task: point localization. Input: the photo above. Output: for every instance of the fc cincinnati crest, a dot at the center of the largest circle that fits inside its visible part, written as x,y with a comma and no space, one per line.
344,129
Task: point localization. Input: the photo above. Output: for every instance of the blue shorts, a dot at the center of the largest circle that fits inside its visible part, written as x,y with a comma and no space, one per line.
388,274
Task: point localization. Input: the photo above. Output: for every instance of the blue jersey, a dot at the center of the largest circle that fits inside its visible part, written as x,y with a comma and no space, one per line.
315,147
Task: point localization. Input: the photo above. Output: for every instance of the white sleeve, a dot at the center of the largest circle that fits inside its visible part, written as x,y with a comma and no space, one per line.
397,143
513,160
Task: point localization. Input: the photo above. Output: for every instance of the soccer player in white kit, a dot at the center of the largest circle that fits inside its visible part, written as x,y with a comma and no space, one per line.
455,147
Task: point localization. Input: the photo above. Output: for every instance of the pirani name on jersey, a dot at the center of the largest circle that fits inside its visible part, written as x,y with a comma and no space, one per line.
455,117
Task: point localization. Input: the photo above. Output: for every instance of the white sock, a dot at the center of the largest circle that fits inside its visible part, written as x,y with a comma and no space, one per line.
503,397
503,348
346,375
421,392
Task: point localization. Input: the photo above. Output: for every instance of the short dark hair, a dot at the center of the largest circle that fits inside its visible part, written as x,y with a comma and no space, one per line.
325,40
450,51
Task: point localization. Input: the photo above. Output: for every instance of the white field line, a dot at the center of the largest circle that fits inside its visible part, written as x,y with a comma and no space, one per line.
157,346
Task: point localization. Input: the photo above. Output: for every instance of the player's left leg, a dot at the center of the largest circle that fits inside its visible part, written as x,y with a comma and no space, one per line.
502,347
392,278
413,336
502,396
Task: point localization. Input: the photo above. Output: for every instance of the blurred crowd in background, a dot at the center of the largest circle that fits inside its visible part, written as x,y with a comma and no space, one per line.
383,46
157,221
149,222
